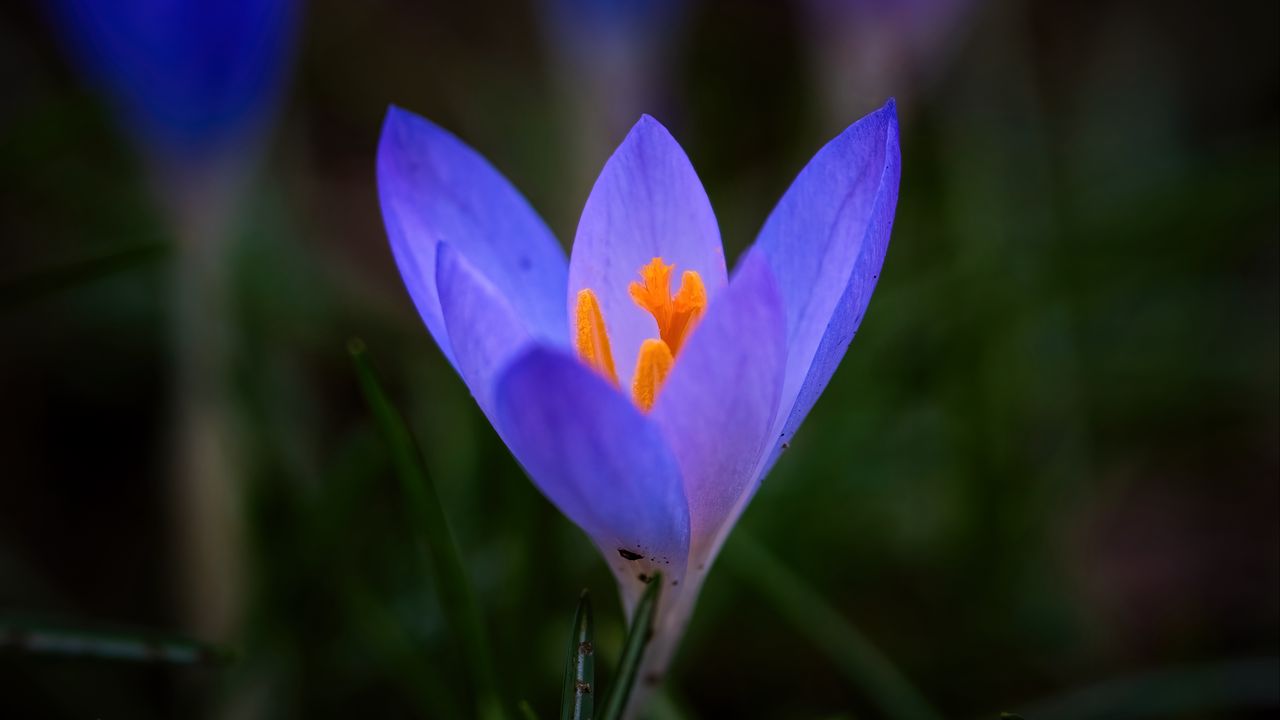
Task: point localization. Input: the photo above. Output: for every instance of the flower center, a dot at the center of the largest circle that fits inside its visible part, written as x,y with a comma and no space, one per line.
676,315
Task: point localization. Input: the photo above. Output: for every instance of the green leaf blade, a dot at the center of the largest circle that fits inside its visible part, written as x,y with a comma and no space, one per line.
104,643
633,650
429,519
577,696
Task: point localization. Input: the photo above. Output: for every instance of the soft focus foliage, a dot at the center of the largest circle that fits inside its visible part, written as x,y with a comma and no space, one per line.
1048,461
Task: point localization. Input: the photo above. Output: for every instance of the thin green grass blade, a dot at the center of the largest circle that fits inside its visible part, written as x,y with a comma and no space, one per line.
633,650
37,638
865,667
48,281
428,517
577,697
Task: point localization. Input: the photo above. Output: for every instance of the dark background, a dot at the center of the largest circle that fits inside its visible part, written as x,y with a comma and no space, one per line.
1048,463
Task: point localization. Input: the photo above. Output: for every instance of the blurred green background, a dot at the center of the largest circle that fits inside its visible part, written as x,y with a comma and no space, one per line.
1046,473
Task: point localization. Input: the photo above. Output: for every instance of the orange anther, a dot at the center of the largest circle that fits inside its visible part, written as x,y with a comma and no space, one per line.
652,367
592,338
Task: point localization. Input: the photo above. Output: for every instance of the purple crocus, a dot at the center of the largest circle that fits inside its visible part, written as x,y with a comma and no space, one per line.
194,85
192,82
647,416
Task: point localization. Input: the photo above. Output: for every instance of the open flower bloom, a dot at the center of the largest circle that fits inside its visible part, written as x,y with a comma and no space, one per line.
644,390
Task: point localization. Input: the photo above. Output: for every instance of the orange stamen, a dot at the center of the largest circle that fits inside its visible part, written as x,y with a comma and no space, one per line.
592,338
677,315
652,367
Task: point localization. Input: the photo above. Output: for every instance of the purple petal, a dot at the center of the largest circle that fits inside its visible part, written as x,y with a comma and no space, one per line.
718,406
598,460
647,203
434,188
826,241
484,332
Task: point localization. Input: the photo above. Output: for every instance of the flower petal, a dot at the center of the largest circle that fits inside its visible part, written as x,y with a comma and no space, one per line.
484,332
598,460
826,241
718,406
434,188
647,203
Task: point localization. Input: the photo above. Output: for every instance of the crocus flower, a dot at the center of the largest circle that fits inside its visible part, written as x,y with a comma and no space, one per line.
644,390
192,82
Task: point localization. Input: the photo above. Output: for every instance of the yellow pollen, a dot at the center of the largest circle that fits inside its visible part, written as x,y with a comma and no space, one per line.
675,316
652,367
592,339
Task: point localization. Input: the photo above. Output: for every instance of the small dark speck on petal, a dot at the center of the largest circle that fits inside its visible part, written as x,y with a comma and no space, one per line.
652,679
583,688
786,445
628,555
524,262
644,578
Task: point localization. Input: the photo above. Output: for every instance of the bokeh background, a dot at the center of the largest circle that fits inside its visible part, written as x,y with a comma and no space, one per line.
1044,480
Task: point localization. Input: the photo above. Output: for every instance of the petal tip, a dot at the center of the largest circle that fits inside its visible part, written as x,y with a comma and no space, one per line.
394,116
890,113
885,116
648,126
877,127
755,263
405,128
396,124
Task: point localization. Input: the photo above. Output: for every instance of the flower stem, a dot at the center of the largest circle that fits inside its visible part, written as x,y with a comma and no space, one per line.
206,490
